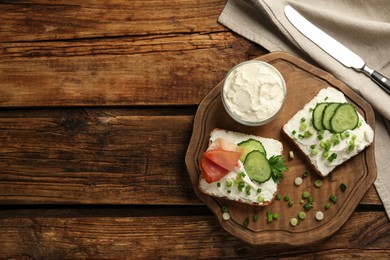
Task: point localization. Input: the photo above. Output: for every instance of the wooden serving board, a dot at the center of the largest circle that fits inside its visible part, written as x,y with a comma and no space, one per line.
303,82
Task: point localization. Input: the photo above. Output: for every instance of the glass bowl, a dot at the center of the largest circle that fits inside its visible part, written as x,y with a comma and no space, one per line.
253,93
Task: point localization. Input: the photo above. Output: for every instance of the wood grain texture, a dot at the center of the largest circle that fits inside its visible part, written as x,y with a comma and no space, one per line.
48,20
366,235
84,54
98,156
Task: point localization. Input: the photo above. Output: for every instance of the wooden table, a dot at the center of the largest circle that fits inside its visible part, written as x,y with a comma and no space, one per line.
97,104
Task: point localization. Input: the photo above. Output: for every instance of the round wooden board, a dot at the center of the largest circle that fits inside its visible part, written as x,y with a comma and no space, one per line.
303,81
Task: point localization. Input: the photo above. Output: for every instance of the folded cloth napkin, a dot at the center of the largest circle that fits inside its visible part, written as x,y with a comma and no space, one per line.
362,26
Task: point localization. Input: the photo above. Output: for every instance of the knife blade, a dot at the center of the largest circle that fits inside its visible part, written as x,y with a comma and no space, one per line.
334,48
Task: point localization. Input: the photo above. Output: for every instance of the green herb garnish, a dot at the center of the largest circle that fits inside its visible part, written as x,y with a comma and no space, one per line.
277,167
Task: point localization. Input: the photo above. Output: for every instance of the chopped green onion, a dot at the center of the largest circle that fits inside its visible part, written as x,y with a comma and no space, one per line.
298,181
305,173
343,186
258,190
276,215
307,134
333,198
255,217
319,215
241,184
229,183
294,132
302,215
318,183
226,216
303,119
327,206
218,184
332,157
224,209
229,191
286,198
360,123
307,206
314,151
246,222
303,126
291,203
305,194
278,196
260,199
310,199
325,154
269,216
294,222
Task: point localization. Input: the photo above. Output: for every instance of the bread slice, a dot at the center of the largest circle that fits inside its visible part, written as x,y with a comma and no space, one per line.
362,136
221,190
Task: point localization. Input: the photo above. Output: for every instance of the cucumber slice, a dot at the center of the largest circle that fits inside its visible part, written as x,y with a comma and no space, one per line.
257,167
327,115
345,118
318,114
249,146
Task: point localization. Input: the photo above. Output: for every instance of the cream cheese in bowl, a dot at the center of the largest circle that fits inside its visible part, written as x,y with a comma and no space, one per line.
253,93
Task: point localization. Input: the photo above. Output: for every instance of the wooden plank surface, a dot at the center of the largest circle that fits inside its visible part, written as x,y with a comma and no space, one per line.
97,101
97,156
366,235
72,54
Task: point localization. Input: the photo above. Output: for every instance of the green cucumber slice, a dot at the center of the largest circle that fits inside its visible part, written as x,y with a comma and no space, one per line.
318,113
344,118
327,115
257,166
249,146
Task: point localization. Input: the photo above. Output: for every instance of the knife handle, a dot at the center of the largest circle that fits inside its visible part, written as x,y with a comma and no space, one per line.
381,80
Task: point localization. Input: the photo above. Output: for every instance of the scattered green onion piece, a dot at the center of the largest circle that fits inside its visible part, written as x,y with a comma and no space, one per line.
325,154
307,134
246,222
255,217
318,183
332,157
302,202
247,188
241,184
291,203
291,154
302,215
229,183
278,196
303,119
224,209
327,206
270,216
294,132
258,190
218,184
319,215
229,191
307,206
302,126
226,216
276,215
298,181
294,222
305,174
310,199
286,198
333,198
260,199
360,123
305,194
343,186
314,151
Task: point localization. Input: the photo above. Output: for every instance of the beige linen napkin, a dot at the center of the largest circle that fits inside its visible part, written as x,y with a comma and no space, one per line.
362,26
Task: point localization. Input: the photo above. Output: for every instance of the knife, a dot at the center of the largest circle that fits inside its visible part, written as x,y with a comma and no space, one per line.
335,49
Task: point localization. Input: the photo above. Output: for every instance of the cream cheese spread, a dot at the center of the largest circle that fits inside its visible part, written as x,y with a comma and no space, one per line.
362,136
268,188
254,91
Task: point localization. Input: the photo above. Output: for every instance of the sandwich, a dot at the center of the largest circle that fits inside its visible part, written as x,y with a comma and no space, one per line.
241,167
329,131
